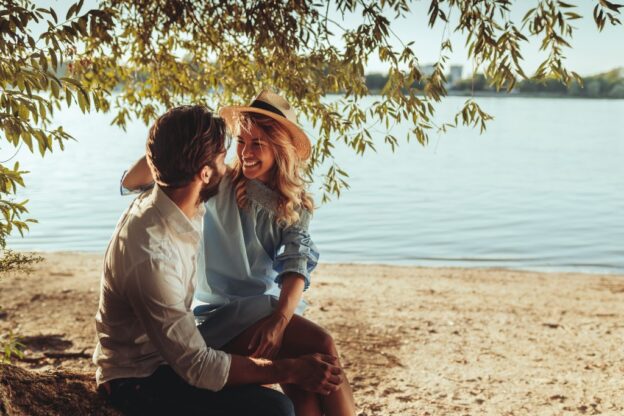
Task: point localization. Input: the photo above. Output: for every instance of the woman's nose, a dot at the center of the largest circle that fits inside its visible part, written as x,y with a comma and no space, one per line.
247,150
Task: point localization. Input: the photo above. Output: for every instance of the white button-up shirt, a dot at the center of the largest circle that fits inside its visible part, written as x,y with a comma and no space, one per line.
144,318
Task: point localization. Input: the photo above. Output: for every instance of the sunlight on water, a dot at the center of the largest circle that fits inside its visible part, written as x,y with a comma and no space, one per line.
543,188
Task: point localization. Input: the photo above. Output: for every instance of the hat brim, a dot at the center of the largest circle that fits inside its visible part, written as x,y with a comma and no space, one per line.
300,139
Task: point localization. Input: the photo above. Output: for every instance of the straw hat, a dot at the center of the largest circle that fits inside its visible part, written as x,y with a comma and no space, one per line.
272,105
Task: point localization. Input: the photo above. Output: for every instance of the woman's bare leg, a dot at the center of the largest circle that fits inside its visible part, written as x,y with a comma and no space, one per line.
306,403
302,337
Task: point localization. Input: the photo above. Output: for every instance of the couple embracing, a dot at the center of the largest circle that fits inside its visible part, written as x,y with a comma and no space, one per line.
201,292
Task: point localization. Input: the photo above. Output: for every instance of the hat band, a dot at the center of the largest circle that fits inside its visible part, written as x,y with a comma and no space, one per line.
266,106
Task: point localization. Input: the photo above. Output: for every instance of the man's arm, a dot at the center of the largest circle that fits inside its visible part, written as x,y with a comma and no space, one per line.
139,175
317,373
157,296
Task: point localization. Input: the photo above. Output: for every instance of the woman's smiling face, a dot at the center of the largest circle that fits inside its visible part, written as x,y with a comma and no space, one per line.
255,154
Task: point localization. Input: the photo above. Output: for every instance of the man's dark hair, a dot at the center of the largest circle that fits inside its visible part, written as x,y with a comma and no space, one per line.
181,142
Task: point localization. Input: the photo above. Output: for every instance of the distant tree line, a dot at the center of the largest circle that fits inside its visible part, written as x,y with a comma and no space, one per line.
606,85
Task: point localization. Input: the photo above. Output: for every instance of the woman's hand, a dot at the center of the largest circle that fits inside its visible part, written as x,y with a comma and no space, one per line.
267,340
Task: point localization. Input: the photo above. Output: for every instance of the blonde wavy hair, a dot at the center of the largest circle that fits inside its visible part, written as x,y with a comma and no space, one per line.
287,178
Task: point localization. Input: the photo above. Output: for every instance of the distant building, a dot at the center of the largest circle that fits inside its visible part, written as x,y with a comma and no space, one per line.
427,69
453,75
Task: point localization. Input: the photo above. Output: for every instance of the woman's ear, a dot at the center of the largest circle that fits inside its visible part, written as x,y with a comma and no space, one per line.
205,174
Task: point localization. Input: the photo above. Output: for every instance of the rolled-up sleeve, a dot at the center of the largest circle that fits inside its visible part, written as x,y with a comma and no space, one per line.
157,296
298,253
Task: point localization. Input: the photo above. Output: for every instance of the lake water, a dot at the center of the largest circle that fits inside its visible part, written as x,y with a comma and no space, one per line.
542,189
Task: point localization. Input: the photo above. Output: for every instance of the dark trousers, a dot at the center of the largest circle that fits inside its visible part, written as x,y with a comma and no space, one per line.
166,393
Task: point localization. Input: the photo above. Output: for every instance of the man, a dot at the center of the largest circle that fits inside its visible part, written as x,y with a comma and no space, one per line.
150,356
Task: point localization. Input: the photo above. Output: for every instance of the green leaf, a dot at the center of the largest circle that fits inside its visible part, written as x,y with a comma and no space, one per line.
55,88
42,147
54,16
83,102
53,58
24,114
70,12
68,97
572,15
27,137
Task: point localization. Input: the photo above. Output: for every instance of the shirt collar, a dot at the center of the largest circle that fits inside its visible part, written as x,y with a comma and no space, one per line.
174,216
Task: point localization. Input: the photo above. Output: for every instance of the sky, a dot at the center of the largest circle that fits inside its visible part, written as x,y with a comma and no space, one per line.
593,51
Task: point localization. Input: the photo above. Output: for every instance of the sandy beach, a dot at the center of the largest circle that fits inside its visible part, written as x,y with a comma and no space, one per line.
414,341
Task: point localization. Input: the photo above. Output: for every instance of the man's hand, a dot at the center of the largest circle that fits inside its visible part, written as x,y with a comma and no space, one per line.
317,373
267,340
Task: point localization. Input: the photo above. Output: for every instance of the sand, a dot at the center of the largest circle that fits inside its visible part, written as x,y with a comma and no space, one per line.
414,341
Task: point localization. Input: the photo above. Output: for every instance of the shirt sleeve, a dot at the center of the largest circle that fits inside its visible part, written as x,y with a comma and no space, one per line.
157,295
125,191
299,254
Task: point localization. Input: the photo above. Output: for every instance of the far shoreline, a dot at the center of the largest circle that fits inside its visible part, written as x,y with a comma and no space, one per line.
494,94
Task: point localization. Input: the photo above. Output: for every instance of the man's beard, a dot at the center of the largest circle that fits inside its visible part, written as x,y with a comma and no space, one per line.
211,188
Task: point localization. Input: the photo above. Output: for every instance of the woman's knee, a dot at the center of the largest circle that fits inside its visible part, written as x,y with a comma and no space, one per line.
326,343
305,337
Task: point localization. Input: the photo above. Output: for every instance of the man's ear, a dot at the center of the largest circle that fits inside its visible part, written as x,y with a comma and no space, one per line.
205,174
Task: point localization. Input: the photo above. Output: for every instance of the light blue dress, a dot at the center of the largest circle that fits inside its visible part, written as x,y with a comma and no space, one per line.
244,256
